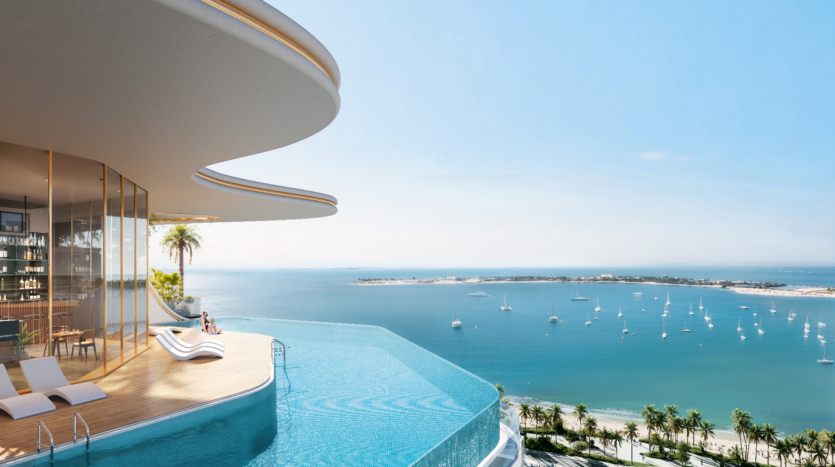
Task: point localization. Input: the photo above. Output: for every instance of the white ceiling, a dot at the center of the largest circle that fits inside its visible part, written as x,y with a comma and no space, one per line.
158,93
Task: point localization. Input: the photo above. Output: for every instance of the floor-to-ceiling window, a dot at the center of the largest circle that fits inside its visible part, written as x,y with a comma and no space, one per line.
73,263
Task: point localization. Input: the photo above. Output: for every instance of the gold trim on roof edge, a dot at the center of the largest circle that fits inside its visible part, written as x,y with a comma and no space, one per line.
262,190
268,30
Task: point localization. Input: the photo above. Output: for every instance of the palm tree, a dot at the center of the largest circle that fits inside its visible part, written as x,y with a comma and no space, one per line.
630,429
671,410
807,463
538,415
661,423
827,438
500,388
178,239
707,430
755,434
735,453
554,415
591,429
668,433
694,417
783,450
800,441
769,435
617,438
525,413
649,414
581,411
741,423
791,443
818,452
678,426
605,436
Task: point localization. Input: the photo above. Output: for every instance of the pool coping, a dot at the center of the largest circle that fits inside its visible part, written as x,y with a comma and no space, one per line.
33,458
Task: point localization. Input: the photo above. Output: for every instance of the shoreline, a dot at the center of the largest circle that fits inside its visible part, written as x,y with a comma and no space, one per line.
723,439
808,291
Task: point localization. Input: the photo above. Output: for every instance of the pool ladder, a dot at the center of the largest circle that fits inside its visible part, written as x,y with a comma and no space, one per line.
279,349
75,433
51,441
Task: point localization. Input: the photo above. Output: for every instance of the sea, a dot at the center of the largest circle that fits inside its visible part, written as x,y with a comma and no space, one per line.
774,375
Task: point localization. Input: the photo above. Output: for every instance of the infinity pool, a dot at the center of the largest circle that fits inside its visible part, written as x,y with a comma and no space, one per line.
347,396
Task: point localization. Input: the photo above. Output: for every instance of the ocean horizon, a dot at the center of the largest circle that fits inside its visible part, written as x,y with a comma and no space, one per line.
774,375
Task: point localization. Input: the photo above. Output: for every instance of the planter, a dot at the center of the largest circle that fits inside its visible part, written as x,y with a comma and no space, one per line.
186,308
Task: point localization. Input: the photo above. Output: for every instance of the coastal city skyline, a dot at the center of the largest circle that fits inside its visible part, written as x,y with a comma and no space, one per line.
559,134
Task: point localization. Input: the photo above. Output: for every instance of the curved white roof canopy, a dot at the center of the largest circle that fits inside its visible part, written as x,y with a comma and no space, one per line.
159,90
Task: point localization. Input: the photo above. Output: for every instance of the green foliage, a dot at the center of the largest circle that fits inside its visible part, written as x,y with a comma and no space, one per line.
177,240
26,337
168,286
544,443
580,446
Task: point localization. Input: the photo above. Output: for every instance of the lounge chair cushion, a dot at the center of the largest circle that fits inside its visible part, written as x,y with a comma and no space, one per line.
44,376
202,351
21,406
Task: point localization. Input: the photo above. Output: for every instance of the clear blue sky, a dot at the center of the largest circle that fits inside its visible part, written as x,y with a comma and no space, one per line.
576,133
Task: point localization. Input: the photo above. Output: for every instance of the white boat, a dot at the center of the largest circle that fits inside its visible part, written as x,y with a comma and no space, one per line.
700,304
588,321
685,327
479,294
744,307
821,323
625,331
597,308
656,298
664,326
807,323
739,325
742,335
820,336
773,308
553,315
691,308
456,323
642,307
710,325
668,300
791,315
707,318
824,359
637,293
760,330
505,307
619,312
577,296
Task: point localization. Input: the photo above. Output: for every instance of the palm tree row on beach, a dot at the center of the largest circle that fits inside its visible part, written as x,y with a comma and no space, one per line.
665,427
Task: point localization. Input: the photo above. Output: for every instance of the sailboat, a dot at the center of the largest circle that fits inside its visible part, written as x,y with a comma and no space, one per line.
619,312
664,326
588,321
577,296
791,315
597,308
637,293
742,336
743,307
691,308
456,323
773,308
553,315
824,359
807,324
668,300
700,304
760,330
710,323
685,327
625,331
823,340
819,332
642,307
821,323
739,325
505,307
707,318
656,298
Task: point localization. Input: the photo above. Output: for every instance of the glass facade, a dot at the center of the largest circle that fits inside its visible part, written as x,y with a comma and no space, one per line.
73,263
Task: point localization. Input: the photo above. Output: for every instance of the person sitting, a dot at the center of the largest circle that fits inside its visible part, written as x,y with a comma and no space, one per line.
213,330
204,322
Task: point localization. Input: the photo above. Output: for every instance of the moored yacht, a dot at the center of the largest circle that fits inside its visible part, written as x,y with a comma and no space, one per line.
700,304
479,294
456,323
739,325
576,296
691,308
625,331
588,321
553,315
505,307
824,359
597,308
619,312
743,307
773,308
668,300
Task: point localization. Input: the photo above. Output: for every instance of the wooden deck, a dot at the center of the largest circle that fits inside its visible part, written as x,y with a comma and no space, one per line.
151,385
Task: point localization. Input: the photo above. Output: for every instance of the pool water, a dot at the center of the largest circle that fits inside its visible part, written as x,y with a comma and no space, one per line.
348,395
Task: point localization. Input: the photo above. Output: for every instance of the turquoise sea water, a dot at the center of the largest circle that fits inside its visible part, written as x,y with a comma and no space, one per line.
775,375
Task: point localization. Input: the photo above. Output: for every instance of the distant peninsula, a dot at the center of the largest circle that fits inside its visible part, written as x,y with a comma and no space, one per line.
757,288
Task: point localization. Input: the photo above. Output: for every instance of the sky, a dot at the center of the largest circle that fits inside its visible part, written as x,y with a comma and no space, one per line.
558,133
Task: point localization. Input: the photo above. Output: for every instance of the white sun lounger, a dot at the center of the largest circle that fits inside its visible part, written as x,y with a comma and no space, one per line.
45,376
21,406
169,333
178,344
202,351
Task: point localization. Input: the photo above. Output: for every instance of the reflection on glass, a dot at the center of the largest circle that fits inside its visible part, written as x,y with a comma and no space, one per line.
141,264
128,292
114,264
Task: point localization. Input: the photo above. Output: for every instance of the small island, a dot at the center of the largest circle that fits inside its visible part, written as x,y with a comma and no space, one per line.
746,287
